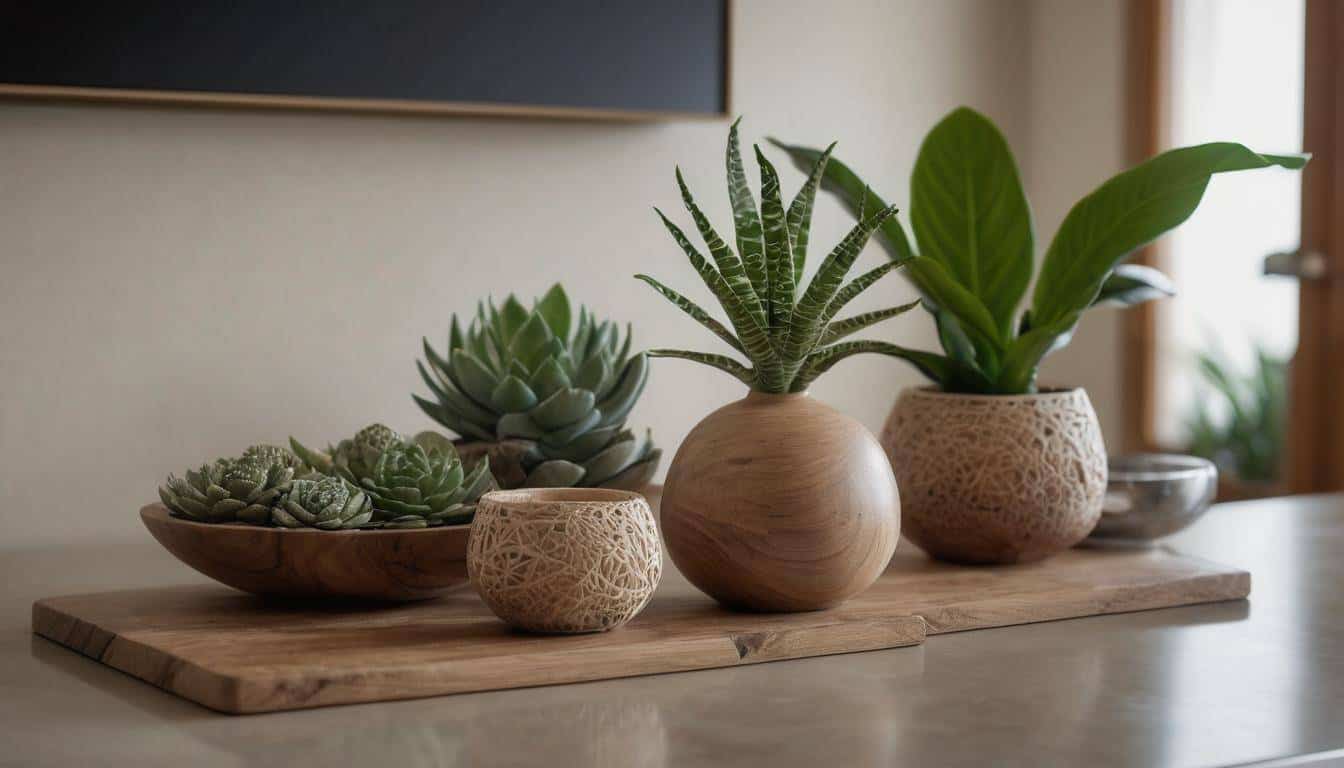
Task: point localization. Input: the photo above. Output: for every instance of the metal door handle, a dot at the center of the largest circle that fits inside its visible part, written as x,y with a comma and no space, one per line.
1304,265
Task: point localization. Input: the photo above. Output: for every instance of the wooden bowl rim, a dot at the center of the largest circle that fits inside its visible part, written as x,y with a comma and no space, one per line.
159,513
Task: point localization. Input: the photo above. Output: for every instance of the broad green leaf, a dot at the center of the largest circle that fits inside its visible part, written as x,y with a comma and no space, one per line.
1126,212
692,309
778,253
1020,360
850,189
730,266
1130,284
952,336
933,279
554,309
969,212
799,217
746,219
722,362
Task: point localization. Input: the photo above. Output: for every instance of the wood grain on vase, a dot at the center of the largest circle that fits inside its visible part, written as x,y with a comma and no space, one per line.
780,503
397,565
997,478
235,653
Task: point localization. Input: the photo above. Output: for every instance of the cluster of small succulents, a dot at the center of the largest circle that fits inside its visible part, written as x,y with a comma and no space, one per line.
375,479
543,393
562,385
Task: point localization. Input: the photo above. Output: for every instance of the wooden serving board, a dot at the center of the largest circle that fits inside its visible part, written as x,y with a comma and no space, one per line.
236,653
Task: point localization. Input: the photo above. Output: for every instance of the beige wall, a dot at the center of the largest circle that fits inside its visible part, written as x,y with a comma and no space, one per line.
1076,141
180,283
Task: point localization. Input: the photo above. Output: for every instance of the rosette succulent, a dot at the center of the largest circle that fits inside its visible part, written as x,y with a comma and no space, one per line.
410,483
274,454
541,376
352,458
229,490
608,457
412,487
327,503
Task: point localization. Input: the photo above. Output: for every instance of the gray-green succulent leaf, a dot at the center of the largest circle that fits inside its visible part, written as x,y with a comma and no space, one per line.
566,381
409,482
229,490
329,503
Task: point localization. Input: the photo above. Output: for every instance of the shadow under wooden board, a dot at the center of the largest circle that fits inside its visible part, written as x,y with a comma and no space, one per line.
236,653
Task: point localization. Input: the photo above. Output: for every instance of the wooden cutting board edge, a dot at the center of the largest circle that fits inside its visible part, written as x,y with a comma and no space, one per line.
242,691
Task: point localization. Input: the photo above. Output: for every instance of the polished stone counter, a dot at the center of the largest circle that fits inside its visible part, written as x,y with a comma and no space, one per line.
1221,684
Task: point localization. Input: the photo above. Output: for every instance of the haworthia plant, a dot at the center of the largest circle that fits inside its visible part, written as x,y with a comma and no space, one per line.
788,333
975,259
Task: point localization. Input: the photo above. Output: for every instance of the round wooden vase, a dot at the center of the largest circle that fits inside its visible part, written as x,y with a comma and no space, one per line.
997,478
780,503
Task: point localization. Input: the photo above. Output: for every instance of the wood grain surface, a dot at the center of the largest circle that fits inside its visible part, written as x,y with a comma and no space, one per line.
237,653
392,564
778,502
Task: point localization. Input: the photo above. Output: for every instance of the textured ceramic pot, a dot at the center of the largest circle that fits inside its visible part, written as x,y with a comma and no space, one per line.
564,560
997,478
780,503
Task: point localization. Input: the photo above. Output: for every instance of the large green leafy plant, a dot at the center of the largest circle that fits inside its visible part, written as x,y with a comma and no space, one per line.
563,384
788,333
975,256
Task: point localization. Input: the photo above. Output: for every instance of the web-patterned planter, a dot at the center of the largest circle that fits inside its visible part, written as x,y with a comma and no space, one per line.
996,478
564,560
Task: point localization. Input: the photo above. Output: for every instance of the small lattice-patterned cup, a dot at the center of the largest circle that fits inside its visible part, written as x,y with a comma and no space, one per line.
564,560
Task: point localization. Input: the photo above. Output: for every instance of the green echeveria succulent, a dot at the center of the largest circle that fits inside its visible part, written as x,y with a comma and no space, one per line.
274,454
610,457
515,374
329,503
352,458
356,457
229,490
412,487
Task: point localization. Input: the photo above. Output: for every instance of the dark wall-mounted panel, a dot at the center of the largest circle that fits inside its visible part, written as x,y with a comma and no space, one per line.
569,57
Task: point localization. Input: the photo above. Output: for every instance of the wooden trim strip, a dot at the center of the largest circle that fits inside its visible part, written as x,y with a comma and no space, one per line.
1147,87
326,104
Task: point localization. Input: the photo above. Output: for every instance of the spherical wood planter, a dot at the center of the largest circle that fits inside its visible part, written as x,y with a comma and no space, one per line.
997,478
564,560
393,565
780,503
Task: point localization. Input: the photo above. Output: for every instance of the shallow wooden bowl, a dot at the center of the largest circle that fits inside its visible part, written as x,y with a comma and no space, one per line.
394,565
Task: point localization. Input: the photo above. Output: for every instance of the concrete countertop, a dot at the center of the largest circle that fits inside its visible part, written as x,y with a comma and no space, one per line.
1224,684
